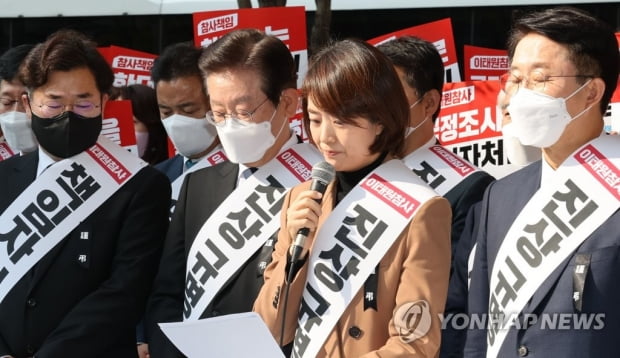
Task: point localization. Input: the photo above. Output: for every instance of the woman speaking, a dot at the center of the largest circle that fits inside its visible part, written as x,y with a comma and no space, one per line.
361,270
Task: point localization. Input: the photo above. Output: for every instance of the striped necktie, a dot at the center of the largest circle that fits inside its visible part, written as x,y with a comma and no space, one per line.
248,172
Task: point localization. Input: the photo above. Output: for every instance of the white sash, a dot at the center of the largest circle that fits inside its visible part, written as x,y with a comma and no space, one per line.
214,157
437,166
56,202
240,226
350,244
5,151
584,193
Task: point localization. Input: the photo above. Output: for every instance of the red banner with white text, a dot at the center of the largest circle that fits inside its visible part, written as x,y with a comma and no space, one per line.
470,123
440,34
481,63
612,116
129,66
286,23
118,125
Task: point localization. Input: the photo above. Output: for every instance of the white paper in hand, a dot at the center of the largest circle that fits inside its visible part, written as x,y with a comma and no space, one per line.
234,335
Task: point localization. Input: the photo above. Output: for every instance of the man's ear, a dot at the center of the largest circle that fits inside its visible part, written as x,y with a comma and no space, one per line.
431,102
25,102
104,100
290,101
596,89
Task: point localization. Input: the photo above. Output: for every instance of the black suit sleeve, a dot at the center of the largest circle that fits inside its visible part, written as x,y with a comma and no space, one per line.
452,339
478,297
4,349
119,301
166,301
461,198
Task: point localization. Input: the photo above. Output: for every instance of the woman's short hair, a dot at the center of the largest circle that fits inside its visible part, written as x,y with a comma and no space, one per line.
351,79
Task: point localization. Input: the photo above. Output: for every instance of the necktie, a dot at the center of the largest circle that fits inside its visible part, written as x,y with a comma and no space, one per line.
189,163
248,172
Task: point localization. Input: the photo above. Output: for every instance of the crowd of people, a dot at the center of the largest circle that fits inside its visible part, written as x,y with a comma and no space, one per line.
360,242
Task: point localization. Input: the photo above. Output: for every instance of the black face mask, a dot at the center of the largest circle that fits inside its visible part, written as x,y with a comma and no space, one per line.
67,134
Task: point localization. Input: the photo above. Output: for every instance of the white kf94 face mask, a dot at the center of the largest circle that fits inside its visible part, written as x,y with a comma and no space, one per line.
17,131
538,119
247,142
189,135
517,153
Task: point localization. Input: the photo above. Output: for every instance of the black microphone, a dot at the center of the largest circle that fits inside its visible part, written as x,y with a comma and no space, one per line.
322,174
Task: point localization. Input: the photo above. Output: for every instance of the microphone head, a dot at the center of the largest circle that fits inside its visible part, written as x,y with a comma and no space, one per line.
323,172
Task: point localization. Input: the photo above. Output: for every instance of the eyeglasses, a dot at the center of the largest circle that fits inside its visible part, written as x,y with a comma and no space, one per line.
535,81
219,118
52,109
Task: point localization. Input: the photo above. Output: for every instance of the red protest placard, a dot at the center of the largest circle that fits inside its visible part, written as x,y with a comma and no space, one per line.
286,23
612,116
469,124
616,96
441,35
118,125
483,63
129,66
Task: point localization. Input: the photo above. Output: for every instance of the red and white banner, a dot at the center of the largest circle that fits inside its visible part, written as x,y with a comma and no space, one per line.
612,116
129,66
483,63
118,126
469,124
441,35
286,23
5,151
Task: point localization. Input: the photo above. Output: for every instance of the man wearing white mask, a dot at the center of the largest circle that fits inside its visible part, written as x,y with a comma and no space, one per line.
549,234
421,72
183,103
14,122
223,229
518,154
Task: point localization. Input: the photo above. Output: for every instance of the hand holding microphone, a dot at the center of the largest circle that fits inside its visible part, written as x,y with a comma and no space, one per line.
304,212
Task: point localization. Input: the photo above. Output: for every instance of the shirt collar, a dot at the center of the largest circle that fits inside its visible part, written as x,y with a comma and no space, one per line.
44,161
547,172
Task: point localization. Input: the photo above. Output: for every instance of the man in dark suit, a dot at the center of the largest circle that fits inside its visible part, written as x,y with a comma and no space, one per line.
247,94
421,71
183,104
84,297
564,69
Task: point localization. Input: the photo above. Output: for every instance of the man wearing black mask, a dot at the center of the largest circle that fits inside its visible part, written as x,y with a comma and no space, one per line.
82,222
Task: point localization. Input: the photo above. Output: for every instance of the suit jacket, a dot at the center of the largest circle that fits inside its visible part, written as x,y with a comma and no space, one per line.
172,167
461,198
202,192
67,308
601,292
416,267
452,333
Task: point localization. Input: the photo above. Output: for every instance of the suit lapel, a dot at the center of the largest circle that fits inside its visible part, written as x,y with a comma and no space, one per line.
177,164
218,185
22,174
